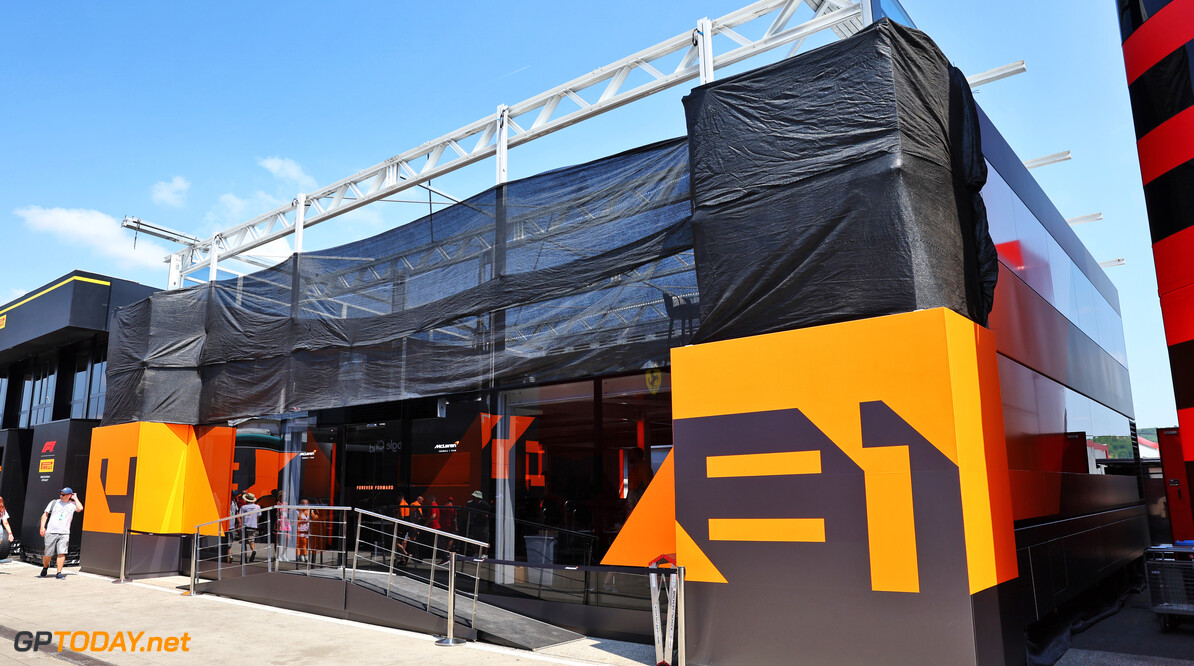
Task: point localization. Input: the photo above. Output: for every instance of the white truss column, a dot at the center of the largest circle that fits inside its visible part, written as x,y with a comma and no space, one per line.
704,38
868,12
300,213
175,279
214,257
503,141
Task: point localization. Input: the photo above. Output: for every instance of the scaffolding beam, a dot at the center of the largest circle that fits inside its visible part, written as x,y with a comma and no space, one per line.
601,90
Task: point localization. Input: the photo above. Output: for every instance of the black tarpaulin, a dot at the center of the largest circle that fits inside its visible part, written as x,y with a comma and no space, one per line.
838,185
556,276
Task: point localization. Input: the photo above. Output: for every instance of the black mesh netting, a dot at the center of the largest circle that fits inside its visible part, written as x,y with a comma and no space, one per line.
591,269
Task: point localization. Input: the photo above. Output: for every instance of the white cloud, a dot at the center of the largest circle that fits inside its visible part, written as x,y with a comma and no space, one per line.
99,233
15,292
288,170
231,210
173,193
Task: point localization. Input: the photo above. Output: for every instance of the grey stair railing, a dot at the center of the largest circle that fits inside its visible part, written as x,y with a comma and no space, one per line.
404,537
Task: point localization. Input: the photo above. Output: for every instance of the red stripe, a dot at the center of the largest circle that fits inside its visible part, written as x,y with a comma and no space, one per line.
1171,256
1169,145
1177,309
1185,421
1167,31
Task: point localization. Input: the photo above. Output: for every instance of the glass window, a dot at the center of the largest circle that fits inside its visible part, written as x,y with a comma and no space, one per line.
893,10
26,397
373,465
99,383
37,397
3,392
78,397
544,455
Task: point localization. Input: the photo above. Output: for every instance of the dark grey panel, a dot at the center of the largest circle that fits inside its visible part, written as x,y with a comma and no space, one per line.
818,596
1033,333
15,461
368,606
1066,557
70,451
100,553
621,624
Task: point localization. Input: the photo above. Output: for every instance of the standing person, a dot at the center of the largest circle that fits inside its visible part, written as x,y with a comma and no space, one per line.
478,519
447,516
403,507
233,524
638,477
248,518
283,527
7,535
302,541
55,529
416,510
432,513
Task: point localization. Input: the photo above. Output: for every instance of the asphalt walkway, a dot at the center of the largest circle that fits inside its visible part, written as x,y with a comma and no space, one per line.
218,630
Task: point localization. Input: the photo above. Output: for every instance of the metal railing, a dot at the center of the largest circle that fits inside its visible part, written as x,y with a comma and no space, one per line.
571,540
236,542
403,551
413,549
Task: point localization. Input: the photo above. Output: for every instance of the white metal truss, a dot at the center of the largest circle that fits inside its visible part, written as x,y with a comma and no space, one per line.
599,91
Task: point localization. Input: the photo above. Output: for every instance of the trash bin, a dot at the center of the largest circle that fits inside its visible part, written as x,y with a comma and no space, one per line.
540,550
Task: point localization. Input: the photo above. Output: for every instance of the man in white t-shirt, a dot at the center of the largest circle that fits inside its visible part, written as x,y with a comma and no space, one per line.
55,529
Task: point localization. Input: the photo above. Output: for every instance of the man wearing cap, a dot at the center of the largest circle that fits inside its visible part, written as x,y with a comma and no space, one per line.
55,529
248,518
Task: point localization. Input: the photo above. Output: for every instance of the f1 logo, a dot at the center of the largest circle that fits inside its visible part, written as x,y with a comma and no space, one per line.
48,447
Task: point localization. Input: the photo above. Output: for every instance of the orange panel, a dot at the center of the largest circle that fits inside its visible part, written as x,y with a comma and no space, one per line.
648,532
117,445
934,368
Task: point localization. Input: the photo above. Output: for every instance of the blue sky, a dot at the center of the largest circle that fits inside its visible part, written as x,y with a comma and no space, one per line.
198,116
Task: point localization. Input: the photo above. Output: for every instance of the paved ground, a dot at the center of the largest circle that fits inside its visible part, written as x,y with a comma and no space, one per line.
1132,636
229,631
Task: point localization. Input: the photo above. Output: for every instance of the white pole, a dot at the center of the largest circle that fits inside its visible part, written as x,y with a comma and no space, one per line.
214,255
503,138
300,214
705,49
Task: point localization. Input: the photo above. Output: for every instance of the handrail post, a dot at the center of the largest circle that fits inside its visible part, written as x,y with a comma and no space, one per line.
242,548
477,583
431,576
680,657
269,541
124,546
450,639
195,558
393,556
356,546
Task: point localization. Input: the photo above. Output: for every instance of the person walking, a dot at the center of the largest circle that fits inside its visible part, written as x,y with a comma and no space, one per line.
55,529
248,517
7,531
